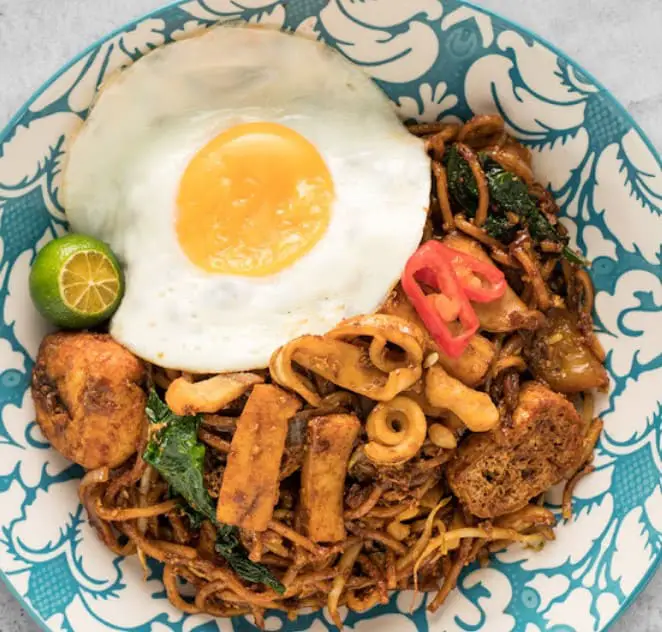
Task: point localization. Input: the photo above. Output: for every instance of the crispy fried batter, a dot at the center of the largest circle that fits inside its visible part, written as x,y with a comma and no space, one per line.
89,399
498,473
250,485
330,441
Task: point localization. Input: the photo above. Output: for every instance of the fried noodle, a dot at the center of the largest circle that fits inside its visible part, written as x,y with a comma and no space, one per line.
403,526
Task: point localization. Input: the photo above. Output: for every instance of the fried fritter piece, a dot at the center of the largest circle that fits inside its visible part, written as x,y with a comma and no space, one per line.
330,442
89,398
250,484
498,472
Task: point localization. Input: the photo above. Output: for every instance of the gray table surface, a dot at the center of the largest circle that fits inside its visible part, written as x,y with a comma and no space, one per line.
615,40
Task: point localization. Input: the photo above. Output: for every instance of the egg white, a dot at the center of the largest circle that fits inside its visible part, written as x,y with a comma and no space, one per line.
125,167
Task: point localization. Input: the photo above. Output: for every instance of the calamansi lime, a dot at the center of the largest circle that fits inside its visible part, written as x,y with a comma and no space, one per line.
76,281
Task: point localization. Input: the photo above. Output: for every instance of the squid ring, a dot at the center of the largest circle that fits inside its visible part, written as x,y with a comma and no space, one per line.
379,369
389,445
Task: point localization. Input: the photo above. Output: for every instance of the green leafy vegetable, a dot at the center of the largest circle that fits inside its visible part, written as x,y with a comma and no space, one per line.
540,228
499,227
507,191
195,519
574,257
508,194
176,453
228,545
461,182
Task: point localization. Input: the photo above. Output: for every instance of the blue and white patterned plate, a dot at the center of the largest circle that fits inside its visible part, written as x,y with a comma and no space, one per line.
434,59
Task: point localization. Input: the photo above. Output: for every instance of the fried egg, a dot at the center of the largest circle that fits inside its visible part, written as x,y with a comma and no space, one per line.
255,186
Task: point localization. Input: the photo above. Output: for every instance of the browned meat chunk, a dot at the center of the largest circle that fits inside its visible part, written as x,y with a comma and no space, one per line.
499,472
89,397
330,442
560,357
250,483
507,313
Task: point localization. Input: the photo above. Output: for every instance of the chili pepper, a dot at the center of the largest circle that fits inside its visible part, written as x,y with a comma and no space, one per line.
456,278
431,265
481,281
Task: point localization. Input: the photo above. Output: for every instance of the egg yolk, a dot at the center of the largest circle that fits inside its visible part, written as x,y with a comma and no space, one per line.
253,200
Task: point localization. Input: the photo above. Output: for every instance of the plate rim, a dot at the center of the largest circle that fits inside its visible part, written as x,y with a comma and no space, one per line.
6,134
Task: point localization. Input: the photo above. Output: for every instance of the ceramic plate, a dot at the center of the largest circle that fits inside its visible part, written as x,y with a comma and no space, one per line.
434,60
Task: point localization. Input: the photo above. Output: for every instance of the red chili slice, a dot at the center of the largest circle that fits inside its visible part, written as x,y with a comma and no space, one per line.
491,281
430,265
456,278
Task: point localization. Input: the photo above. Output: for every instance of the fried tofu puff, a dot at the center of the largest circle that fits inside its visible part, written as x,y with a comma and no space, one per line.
498,472
89,398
